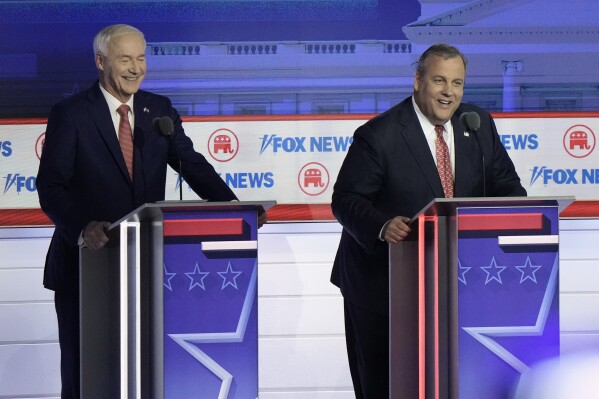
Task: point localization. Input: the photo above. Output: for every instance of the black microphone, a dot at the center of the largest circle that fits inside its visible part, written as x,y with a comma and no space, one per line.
471,123
165,126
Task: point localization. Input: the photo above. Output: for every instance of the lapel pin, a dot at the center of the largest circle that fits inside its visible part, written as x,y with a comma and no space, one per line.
466,134
147,111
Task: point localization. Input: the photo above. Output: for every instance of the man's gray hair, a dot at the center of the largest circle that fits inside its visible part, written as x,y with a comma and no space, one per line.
108,33
442,50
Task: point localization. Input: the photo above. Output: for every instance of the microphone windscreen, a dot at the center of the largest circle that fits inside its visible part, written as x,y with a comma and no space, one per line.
470,121
167,127
463,120
164,125
473,121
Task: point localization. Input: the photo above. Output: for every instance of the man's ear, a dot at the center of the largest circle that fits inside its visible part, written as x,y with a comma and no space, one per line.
99,62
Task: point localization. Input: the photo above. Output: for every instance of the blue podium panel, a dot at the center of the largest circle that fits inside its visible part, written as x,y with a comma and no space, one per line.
474,297
508,316
210,305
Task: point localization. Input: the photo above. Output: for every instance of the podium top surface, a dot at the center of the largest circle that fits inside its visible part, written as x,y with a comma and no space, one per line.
155,210
448,206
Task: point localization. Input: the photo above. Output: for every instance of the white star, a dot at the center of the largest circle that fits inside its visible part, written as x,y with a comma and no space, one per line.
528,271
188,341
197,278
484,334
167,278
462,272
229,277
493,272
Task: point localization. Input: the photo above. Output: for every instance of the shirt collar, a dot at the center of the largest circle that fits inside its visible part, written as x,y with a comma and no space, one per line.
426,124
113,102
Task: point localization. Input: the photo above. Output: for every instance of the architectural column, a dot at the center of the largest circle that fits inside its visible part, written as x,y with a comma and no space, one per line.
510,88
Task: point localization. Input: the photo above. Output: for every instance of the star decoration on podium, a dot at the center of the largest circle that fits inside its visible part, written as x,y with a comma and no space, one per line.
493,272
167,279
462,270
528,271
197,278
229,277
485,335
189,342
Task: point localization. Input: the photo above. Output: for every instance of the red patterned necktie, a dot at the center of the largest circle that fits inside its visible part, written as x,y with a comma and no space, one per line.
126,137
444,163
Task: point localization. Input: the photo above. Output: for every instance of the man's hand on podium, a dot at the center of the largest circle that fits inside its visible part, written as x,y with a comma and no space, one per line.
94,235
396,229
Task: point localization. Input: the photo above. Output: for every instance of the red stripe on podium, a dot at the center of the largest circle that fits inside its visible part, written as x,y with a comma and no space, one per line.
421,311
508,221
204,227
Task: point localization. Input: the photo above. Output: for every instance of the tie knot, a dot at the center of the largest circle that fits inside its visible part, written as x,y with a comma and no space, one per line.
439,130
123,110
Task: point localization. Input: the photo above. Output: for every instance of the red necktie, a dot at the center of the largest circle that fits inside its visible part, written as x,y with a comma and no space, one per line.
444,163
126,137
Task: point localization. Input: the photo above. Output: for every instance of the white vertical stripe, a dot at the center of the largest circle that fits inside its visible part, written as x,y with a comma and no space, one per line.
123,310
136,225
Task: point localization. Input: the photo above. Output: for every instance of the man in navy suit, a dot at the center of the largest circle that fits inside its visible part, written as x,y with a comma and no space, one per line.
388,175
84,183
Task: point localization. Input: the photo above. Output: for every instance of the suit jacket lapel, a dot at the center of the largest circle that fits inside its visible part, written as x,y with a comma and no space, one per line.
100,114
414,136
142,112
143,128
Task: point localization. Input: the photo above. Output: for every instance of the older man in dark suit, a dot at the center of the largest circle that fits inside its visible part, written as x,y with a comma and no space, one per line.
103,158
399,161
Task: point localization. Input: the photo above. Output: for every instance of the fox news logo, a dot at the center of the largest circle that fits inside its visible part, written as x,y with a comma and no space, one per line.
19,183
305,144
520,141
564,176
5,148
249,179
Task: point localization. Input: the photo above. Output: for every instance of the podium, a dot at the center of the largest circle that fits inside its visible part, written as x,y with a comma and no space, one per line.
474,297
169,307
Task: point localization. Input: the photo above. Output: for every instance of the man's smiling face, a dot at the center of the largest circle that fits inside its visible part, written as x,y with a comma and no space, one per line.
439,89
123,67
